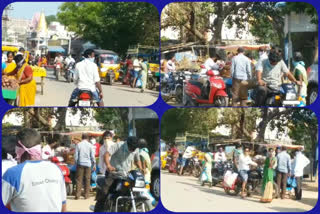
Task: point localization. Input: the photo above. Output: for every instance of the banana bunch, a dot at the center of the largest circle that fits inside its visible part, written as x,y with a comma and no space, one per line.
39,71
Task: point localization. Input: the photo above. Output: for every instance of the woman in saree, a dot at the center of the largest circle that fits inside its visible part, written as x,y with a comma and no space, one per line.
10,63
206,173
268,172
174,156
24,75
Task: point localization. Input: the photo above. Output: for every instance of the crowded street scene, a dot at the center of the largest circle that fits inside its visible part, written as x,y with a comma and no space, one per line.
80,160
51,49
239,160
239,54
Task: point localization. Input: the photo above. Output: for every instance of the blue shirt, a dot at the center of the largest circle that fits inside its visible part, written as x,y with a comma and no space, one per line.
84,155
284,162
241,67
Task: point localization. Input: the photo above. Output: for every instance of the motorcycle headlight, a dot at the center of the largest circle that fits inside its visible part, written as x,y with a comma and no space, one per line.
291,96
140,183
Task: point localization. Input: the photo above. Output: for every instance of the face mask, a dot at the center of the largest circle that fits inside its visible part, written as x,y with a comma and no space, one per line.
91,59
260,53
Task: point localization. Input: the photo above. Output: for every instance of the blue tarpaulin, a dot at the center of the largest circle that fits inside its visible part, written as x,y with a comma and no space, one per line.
57,49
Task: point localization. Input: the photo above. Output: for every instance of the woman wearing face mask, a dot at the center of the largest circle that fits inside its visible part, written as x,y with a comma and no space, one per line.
268,171
33,177
300,74
28,86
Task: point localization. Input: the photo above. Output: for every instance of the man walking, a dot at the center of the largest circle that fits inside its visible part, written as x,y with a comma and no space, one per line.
241,73
84,159
107,143
283,169
144,73
299,163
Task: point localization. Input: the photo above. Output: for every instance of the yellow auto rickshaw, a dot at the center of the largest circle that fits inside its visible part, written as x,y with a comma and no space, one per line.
109,65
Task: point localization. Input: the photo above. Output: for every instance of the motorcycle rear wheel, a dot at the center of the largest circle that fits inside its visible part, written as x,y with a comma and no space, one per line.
151,83
179,95
58,74
234,192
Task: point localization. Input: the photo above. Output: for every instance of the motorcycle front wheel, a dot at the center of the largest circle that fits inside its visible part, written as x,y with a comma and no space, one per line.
142,207
220,101
58,74
151,83
179,95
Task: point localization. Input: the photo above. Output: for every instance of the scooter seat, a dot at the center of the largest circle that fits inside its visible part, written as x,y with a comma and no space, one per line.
101,180
196,83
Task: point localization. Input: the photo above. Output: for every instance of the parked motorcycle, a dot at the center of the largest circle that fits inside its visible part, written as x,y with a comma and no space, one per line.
286,96
213,93
128,193
218,171
66,173
172,87
151,81
192,167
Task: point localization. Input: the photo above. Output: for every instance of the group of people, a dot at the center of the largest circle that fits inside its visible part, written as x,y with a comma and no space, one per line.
278,166
16,65
265,74
32,173
138,69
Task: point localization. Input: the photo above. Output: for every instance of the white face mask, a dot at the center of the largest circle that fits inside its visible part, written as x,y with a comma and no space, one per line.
260,53
91,59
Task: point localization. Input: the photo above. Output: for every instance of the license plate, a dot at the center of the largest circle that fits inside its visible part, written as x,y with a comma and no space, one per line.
291,102
84,103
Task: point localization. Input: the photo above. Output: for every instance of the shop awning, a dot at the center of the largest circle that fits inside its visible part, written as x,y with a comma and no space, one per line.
57,49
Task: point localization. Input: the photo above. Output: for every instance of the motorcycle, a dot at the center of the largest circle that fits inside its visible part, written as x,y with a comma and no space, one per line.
69,74
219,170
84,99
286,96
254,184
66,173
192,167
173,86
128,193
151,82
213,93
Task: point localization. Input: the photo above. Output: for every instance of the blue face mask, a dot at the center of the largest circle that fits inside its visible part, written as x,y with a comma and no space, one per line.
91,59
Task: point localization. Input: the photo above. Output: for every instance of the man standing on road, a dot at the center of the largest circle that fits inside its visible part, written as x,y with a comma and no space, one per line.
87,78
136,71
299,163
187,155
85,160
33,185
244,166
144,73
240,73
283,169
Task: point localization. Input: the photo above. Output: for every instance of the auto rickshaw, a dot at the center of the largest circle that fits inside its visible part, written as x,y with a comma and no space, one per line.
109,65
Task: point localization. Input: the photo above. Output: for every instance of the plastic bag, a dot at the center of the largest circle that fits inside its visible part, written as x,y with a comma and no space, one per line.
229,178
204,176
94,176
139,83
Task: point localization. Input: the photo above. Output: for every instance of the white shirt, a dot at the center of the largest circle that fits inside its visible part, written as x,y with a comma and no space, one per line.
47,152
86,75
136,65
188,153
245,162
103,149
69,60
6,164
220,157
211,65
299,163
34,186
262,57
170,66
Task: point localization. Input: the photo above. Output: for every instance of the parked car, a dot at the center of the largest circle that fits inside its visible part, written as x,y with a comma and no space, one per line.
312,90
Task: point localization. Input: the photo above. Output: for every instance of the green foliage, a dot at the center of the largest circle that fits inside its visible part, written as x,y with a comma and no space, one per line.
51,18
302,7
113,119
112,25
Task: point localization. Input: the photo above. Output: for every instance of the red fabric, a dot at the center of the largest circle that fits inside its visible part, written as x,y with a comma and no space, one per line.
129,62
27,72
97,149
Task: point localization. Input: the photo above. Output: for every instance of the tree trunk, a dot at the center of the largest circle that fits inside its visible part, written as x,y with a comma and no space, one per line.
316,41
263,125
61,123
218,23
242,121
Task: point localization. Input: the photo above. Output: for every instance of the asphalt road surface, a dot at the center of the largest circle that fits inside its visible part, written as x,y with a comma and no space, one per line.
184,194
58,93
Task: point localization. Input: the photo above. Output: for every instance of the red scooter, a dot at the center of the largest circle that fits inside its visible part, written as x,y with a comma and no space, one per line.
195,93
66,173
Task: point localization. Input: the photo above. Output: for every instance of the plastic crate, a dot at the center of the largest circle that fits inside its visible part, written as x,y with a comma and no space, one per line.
9,93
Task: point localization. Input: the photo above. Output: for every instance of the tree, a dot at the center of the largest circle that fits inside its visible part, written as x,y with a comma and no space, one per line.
112,25
51,18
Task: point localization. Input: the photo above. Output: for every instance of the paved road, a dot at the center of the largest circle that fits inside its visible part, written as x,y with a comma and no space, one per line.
80,205
58,94
184,194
